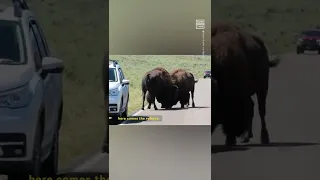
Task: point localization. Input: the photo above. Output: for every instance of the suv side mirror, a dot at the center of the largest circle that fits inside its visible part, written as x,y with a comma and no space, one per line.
125,81
52,65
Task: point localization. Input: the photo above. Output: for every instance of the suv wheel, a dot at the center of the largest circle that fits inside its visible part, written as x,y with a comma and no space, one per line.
125,113
318,51
50,165
36,160
299,50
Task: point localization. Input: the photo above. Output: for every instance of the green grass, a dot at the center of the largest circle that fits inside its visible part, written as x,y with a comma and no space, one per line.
77,34
134,68
277,21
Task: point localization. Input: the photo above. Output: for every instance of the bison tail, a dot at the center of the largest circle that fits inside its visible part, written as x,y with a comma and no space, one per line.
274,62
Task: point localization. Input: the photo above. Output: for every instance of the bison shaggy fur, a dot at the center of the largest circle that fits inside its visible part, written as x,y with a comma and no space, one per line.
241,69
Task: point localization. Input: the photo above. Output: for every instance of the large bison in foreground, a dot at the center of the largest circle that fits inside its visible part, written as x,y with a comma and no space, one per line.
186,83
241,69
159,85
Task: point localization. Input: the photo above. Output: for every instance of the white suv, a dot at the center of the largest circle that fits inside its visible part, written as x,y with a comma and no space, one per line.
30,96
118,93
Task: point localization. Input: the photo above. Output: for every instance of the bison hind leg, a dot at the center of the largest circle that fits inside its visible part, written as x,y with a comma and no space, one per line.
192,96
154,106
149,106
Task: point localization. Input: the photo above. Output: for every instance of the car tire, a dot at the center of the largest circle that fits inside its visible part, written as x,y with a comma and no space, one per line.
50,165
300,50
318,51
35,172
125,113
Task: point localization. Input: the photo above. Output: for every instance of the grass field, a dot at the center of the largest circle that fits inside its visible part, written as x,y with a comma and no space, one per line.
77,32
134,68
277,21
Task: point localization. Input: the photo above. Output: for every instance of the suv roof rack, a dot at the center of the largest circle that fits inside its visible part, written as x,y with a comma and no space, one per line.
18,6
115,62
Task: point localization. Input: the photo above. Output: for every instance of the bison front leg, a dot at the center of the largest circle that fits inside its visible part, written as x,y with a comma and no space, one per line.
230,140
182,105
154,103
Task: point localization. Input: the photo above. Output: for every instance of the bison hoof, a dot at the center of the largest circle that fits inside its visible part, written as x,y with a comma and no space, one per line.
155,108
193,105
142,108
149,107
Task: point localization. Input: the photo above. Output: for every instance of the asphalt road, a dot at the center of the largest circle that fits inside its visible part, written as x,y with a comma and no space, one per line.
293,120
200,115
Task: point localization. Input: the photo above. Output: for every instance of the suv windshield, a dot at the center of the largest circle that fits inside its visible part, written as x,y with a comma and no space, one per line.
10,43
113,75
311,33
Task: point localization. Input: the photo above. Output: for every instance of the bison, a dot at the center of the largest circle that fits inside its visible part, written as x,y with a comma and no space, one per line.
241,69
158,84
186,83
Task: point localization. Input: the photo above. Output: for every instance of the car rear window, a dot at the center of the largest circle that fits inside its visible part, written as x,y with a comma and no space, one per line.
311,33
11,47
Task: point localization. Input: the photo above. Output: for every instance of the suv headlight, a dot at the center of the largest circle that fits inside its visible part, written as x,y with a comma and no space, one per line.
113,92
16,98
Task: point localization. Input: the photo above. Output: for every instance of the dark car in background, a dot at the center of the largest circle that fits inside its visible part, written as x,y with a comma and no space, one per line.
308,40
207,74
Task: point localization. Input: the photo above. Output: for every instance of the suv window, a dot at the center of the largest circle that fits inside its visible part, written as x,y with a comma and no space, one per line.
35,49
11,46
112,75
39,39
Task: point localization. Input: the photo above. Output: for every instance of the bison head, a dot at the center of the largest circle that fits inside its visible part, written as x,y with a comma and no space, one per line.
171,97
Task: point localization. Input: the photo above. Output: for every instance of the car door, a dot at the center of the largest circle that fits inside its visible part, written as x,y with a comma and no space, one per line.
125,88
48,98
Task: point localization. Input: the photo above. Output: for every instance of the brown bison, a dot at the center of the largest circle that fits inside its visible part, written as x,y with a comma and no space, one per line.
158,84
186,83
241,69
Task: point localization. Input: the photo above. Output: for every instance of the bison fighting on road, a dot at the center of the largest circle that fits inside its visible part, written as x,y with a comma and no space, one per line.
241,69
168,89
158,83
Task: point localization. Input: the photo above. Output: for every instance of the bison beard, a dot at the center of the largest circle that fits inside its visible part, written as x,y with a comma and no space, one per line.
241,69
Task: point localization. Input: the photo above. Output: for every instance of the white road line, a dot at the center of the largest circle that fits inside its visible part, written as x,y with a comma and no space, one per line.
96,158
89,163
